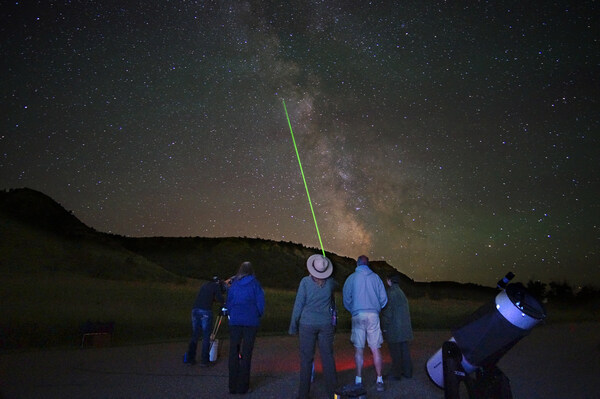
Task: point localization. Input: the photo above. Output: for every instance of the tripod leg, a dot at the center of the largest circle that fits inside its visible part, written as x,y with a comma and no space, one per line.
453,370
216,327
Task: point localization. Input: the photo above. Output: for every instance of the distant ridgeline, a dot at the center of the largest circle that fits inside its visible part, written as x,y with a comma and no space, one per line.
38,234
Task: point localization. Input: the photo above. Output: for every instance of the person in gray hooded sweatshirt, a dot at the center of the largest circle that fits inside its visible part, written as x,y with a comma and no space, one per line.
364,296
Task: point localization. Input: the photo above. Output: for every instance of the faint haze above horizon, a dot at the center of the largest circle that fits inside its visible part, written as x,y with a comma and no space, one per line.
456,142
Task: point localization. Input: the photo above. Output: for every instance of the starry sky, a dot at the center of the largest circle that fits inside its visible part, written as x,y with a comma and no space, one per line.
455,140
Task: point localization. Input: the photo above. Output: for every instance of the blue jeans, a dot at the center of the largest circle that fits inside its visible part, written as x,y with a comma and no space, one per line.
201,324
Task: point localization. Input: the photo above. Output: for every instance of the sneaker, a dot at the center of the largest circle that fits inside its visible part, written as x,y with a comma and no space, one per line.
380,387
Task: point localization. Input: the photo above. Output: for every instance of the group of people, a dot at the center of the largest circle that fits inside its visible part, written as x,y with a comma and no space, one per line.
378,313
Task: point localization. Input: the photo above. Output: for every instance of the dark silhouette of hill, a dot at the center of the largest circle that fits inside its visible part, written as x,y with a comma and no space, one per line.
37,233
40,211
278,264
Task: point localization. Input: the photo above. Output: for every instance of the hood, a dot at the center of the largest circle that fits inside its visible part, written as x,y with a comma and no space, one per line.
364,269
246,280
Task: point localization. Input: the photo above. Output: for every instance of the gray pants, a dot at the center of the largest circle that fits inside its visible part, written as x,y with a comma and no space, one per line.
310,336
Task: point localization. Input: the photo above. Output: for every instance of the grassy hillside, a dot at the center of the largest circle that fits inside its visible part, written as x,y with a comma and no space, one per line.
45,309
26,249
59,273
277,264
38,234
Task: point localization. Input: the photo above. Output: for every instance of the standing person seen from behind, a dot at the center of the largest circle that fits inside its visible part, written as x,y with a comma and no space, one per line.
397,329
313,320
364,296
202,318
245,306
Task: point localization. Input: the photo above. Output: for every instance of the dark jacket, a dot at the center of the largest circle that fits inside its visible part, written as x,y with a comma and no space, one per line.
395,317
210,292
245,302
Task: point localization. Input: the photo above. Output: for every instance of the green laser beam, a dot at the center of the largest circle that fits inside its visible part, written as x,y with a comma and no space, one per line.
303,178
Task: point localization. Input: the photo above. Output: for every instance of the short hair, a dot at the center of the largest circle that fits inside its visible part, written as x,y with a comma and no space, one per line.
362,260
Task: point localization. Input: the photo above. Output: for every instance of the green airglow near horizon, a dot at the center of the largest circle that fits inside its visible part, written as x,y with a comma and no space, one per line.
303,178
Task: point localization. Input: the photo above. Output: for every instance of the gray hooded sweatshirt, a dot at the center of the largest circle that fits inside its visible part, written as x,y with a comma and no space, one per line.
364,292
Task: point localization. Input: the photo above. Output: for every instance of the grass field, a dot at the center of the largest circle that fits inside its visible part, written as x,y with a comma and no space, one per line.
47,310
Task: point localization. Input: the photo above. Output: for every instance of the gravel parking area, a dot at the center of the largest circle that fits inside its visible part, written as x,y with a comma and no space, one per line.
555,361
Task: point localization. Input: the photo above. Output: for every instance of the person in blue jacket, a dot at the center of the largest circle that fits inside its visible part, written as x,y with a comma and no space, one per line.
364,296
245,305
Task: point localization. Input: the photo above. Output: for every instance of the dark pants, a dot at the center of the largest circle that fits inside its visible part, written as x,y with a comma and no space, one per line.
401,361
310,336
241,344
201,324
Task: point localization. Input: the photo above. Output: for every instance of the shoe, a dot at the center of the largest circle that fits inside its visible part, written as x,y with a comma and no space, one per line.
205,364
380,387
352,390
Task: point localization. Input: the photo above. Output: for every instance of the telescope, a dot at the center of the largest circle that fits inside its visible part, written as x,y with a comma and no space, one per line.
471,355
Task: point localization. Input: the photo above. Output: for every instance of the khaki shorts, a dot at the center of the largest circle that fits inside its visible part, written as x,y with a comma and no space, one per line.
365,327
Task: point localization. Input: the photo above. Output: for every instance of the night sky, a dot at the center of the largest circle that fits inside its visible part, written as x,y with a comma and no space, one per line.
455,140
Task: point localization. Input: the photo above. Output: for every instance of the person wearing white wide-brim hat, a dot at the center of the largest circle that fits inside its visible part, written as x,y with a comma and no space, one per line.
319,266
312,321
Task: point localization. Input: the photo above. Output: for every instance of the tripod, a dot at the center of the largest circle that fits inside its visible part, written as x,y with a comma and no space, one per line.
488,383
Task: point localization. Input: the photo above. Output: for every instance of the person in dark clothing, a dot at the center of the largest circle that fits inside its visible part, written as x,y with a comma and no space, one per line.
397,329
202,318
245,305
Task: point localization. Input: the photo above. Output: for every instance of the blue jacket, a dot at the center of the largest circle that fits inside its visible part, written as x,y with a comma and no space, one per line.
245,302
364,292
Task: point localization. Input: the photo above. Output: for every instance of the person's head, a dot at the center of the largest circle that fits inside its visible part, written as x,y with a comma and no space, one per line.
362,261
245,269
319,266
393,278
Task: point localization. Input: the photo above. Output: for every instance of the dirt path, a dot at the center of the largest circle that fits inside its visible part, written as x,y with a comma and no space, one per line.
559,361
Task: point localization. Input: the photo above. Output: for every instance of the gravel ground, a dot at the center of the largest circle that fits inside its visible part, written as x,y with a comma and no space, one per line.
556,361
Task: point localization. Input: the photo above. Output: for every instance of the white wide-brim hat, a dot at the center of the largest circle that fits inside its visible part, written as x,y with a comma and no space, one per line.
319,266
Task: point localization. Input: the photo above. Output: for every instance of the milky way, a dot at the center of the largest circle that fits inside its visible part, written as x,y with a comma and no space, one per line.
457,142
